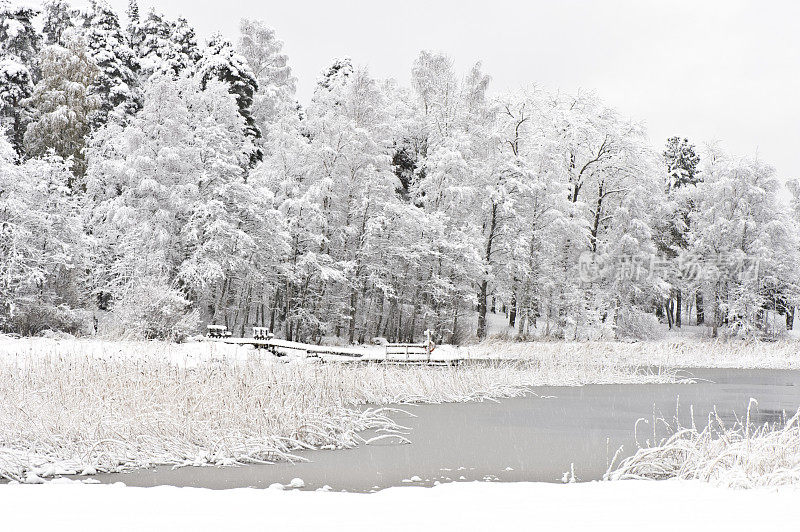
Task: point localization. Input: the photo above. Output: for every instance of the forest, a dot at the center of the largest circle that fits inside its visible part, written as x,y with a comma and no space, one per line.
152,184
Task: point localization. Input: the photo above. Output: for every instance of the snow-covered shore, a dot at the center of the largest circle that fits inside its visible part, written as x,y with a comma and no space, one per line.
617,506
669,352
77,405
72,406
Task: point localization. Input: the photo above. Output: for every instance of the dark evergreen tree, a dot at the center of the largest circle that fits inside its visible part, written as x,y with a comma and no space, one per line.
164,47
117,84
15,85
339,70
682,162
222,62
682,169
57,18
187,53
134,26
404,164
151,40
18,37
19,48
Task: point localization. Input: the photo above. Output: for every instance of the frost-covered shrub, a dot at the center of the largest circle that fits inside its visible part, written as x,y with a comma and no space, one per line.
744,455
635,324
34,317
153,311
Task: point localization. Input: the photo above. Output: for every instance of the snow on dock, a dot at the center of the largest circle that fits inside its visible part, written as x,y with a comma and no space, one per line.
393,353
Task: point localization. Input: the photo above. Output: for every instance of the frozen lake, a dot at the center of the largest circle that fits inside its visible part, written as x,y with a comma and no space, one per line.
534,438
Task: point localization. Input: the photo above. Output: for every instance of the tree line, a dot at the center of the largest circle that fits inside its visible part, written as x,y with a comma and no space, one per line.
150,184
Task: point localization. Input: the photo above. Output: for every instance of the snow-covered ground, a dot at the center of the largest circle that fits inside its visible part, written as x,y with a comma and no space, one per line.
625,505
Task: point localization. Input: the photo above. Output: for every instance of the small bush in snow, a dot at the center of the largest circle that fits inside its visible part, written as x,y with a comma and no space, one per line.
32,318
150,312
635,324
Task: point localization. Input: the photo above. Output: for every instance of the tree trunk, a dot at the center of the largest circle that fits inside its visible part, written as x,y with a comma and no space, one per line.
453,337
380,315
246,315
701,318
714,331
512,311
670,303
597,214
353,301
678,305
482,310
485,283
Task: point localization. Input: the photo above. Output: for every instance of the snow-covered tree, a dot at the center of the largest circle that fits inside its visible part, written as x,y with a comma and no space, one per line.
682,163
163,47
223,63
15,85
42,246
19,48
682,174
746,240
117,83
58,17
262,50
63,103
172,206
187,52
18,36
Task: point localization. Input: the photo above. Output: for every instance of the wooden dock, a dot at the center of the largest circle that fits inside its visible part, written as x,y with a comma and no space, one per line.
398,353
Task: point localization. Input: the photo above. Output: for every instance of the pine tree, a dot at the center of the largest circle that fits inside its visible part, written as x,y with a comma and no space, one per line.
151,40
58,18
19,46
682,169
682,163
134,28
187,52
63,103
15,85
335,74
223,63
18,37
117,84
164,47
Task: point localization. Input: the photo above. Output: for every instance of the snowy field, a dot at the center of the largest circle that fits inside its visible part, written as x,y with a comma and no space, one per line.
617,506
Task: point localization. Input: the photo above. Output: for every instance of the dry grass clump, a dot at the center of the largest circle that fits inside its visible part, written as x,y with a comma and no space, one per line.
115,411
739,456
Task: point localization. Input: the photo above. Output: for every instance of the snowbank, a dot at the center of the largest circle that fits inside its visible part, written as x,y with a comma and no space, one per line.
618,506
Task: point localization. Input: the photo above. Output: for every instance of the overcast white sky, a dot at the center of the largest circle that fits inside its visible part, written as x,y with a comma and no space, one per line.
724,70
